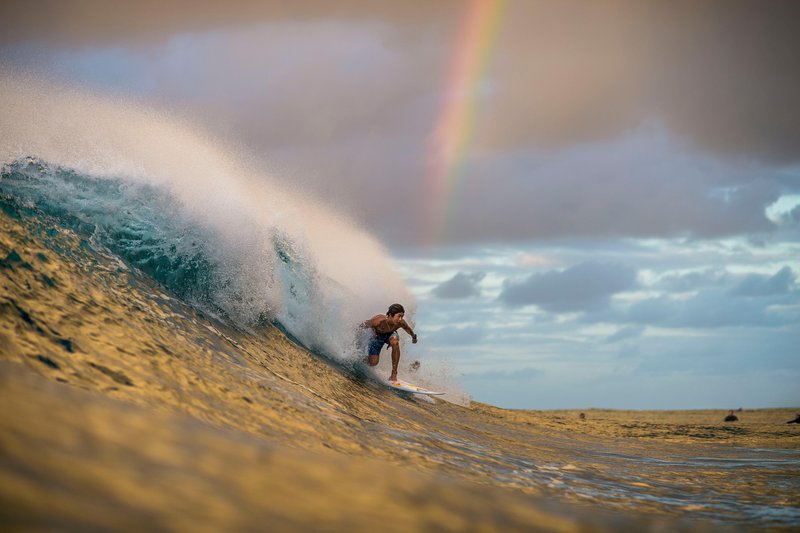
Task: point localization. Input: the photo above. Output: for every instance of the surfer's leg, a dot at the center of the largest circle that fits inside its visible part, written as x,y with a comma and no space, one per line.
394,343
373,359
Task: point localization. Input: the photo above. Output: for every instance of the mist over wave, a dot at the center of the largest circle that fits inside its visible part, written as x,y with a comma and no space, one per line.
192,213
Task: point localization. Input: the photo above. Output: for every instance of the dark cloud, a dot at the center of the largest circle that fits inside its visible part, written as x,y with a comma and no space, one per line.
693,280
96,22
462,285
583,287
720,72
643,185
755,285
793,216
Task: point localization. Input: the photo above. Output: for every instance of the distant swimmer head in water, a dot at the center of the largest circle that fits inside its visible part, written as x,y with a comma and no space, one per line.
731,417
384,328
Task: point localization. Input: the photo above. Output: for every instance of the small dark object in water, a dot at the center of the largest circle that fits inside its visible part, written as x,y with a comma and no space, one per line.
49,362
66,343
731,417
796,420
582,416
119,377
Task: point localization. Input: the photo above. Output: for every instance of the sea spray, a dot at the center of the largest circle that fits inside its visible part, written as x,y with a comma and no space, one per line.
193,213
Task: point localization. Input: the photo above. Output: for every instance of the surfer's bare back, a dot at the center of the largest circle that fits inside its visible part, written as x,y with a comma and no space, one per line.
384,328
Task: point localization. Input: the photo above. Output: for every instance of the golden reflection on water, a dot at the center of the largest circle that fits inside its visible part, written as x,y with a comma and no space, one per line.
121,407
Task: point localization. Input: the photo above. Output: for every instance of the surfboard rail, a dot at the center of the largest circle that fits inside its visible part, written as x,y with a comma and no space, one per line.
405,386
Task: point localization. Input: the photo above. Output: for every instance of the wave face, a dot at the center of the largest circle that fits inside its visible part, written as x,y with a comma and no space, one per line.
193,214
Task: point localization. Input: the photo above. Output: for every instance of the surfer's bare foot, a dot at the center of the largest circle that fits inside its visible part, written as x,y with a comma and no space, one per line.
393,377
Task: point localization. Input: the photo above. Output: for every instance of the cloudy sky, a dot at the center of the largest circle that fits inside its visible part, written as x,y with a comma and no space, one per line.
597,204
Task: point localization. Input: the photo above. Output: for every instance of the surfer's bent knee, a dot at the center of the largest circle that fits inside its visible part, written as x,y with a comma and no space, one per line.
373,359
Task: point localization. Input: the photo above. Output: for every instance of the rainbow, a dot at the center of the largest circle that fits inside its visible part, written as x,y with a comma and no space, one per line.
453,132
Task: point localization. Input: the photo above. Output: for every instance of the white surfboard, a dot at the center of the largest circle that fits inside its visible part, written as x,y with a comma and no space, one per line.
405,386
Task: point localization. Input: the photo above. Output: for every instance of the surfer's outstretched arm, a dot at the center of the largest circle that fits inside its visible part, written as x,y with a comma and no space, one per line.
410,331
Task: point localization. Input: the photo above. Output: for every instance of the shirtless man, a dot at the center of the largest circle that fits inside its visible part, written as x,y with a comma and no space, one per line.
384,328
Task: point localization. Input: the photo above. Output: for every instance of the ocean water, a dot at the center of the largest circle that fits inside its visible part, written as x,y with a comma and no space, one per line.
178,351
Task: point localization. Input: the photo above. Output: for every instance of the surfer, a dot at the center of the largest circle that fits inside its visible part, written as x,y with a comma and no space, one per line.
384,328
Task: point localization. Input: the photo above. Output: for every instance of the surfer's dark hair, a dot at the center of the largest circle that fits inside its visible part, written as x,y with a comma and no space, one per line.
394,309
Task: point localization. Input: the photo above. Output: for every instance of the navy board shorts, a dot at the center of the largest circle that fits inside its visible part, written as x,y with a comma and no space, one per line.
376,343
